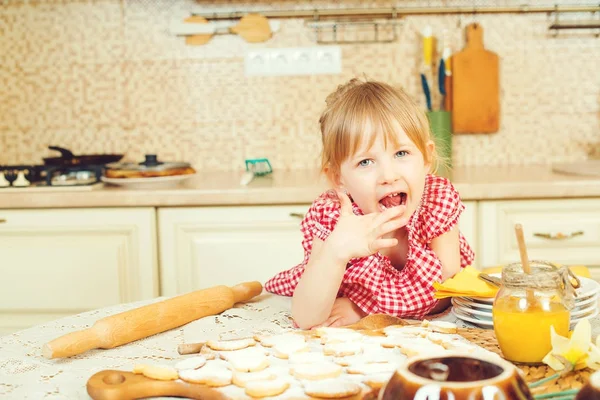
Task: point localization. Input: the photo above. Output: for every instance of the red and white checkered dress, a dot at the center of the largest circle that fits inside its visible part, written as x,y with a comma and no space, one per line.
372,282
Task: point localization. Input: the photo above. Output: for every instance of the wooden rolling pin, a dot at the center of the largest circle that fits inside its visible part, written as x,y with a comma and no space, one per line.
149,320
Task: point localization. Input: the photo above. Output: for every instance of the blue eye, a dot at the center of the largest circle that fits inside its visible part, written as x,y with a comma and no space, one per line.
365,163
401,153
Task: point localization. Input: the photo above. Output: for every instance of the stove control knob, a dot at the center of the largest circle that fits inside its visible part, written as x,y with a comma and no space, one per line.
3,181
21,180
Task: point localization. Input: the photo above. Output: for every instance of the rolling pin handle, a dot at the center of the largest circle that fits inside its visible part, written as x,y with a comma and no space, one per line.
246,291
72,344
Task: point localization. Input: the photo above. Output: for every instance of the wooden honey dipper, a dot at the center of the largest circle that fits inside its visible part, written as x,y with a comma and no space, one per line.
524,260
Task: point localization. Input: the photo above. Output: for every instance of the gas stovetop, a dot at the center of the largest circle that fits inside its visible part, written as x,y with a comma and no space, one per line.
35,176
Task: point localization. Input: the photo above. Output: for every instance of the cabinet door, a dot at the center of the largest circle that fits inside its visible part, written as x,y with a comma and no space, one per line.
202,247
59,262
468,227
562,231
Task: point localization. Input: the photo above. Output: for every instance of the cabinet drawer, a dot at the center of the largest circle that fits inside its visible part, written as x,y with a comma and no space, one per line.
563,231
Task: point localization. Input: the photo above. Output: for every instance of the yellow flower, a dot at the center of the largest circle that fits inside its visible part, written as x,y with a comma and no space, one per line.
576,352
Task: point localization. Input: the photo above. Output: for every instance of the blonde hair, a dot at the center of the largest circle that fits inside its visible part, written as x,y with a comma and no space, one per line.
357,112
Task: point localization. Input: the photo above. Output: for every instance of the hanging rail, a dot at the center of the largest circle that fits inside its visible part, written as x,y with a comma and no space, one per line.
396,12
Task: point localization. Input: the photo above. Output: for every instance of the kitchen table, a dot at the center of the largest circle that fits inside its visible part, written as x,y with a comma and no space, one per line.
25,374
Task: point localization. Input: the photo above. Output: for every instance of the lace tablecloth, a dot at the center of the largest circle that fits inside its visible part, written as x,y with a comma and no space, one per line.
25,374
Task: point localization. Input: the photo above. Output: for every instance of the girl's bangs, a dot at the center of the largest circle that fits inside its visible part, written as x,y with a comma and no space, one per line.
368,123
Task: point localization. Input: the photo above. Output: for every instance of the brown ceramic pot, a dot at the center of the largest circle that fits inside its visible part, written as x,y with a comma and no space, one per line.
591,390
456,376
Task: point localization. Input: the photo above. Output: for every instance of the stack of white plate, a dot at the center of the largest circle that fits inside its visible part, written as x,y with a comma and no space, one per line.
478,311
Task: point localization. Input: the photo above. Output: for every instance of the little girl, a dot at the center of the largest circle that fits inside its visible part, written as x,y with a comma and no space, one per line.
387,229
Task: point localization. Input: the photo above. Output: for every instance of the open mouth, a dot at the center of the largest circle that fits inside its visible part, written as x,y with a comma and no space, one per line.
393,200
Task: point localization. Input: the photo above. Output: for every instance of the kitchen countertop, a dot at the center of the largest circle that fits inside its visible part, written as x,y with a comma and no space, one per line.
302,187
26,374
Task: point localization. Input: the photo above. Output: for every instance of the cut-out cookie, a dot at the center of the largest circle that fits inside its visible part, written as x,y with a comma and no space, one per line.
159,372
332,335
247,360
398,330
371,357
403,341
241,379
376,381
443,338
235,344
414,349
373,368
191,363
442,327
315,371
212,374
307,357
331,388
272,340
342,349
285,349
266,388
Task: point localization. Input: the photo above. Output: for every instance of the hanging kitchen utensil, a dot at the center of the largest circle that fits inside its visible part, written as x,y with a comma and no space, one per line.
198,31
253,28
68,159
197,40
150,167
475,86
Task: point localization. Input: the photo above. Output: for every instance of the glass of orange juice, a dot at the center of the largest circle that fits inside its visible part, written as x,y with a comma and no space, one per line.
527,305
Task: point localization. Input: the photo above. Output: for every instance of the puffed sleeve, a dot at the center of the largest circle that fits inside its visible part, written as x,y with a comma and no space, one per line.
441,208
319,221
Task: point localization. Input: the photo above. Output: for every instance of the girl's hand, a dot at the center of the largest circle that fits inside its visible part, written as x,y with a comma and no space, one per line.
362,235
344,312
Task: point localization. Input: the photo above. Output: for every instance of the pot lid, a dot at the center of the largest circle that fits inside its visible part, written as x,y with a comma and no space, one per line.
150,163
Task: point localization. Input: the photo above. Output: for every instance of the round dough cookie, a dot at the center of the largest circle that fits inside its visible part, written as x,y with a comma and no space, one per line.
341,349
241,379
247,360
266,388
332,388
212,374
191,363
158,372
316,371
235,344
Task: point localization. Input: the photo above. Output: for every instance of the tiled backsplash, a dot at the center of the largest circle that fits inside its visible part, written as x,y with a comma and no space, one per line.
106,76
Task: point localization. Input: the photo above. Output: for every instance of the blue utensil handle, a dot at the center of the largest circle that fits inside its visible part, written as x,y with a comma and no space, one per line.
426,91
442,77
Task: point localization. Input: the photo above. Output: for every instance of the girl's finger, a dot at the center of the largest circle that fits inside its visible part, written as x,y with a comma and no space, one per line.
379,244
328,321
338,322
390,226
388,214
345,203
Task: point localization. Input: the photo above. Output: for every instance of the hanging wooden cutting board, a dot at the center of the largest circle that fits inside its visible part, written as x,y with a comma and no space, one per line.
475,86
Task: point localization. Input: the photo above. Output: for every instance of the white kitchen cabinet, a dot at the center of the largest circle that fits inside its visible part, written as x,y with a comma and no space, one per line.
205,246
59,262
202,247
563,231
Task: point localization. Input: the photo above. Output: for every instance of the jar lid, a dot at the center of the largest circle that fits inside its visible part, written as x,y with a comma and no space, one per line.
150,163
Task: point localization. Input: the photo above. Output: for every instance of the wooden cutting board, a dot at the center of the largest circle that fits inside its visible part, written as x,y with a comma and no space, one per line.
475,86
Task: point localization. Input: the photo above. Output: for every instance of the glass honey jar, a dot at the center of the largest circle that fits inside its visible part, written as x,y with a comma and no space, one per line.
527,305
